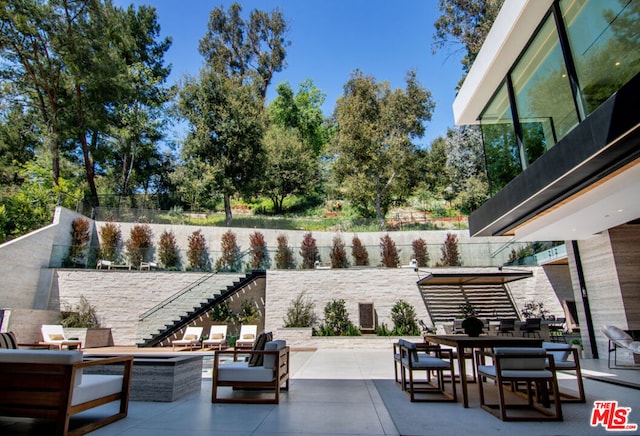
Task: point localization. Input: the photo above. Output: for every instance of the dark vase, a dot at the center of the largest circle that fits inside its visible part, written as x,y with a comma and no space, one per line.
472,326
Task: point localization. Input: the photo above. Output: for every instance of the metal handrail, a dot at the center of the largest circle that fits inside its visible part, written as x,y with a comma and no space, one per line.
174,297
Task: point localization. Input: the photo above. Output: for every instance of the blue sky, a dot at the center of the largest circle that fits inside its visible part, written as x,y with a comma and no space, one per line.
329,40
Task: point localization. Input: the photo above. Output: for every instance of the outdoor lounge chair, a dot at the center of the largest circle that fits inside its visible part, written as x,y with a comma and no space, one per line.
53,335
45,384
567,358
217,337
427,359
266,371
619,338
533,366
191,338
247,337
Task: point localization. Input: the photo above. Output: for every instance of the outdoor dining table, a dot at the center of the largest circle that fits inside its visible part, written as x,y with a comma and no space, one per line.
460,342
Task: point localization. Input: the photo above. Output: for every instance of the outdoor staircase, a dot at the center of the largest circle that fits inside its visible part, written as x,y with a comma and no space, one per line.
179,310
490,301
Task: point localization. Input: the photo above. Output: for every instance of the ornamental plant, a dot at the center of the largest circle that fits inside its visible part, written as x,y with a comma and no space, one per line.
308,251
450,254
258,253
404,319
420,253
80,238
230,253
338,254
300,312
198,253
359,252
110,240
336,320
139,243
389,252
168,252
284,255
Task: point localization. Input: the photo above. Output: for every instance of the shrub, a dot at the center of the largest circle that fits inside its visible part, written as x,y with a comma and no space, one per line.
336,319
168,252
450,255
308,251
284,255
82,315
467,309
80,237
197,253
258,253
534,309
230,253
359,252
383,330
404,319
221,312
139,243
300,313
420,253
388,252
110,240
338,254
248,311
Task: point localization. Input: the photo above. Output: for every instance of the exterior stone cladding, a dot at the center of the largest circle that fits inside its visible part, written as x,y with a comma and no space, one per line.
121,296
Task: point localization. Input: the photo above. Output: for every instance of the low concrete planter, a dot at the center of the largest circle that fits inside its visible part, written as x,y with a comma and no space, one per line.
91,337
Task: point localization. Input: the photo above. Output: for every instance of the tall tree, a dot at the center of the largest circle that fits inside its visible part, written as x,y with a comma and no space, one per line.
290,168
140,116
226,105
373,151
251,51
227,125
71,60
301,111
466,23
33,68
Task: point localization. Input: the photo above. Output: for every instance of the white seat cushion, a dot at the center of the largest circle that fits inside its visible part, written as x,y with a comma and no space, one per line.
511,373
241,371
43,356
95,386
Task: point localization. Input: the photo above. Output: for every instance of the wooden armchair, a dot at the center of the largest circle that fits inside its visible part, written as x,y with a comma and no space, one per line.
532,366
50,385
264,370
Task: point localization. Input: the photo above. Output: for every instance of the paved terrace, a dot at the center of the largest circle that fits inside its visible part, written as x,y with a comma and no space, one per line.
347,392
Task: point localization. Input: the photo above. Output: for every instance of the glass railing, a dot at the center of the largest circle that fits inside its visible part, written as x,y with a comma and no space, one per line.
470,255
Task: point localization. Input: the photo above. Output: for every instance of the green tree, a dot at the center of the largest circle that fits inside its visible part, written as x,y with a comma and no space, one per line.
226,128
466,23
301,112
290,167
250,51
373,148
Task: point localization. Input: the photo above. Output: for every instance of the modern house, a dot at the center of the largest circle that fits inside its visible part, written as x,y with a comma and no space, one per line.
555,90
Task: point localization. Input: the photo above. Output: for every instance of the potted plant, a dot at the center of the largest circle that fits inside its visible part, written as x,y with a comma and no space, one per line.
471,324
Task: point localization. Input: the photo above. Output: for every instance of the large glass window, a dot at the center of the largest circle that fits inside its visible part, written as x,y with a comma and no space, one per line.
605,42
500,144
546,109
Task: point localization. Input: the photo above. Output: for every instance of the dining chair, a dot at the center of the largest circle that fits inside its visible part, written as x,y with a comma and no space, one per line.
531,327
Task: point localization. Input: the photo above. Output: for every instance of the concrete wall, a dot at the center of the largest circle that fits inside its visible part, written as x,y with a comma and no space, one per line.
476,251
612,276
24,264
120,297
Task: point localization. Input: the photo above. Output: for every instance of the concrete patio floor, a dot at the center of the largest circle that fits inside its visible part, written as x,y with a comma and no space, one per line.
348,392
